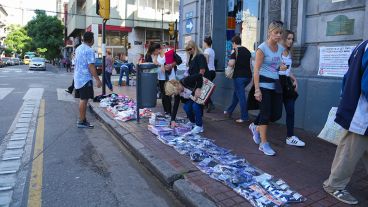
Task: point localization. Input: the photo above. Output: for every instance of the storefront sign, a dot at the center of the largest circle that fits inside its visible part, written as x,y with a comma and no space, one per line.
333,61
189,26
340,25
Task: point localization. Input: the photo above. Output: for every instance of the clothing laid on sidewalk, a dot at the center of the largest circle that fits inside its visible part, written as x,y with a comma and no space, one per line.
241,78
271,103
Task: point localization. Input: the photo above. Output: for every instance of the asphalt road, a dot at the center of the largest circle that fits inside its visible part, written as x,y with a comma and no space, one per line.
80,167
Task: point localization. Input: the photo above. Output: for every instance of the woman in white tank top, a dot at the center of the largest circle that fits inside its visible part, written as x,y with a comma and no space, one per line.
209,53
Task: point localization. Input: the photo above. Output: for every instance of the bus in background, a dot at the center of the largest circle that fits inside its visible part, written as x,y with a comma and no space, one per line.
28,56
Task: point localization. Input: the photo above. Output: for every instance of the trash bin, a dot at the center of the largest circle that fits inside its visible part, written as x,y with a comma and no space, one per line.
147,85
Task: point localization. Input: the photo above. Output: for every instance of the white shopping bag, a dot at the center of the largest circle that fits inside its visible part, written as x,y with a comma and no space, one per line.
332,132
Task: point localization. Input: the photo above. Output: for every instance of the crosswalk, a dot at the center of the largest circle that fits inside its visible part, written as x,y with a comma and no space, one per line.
36,94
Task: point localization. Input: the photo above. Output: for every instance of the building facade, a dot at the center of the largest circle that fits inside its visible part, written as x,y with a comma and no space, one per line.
3,24
133,24
326,32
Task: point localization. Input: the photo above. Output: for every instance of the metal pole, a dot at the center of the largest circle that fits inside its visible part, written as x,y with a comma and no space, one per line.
103,56
162,26
138,88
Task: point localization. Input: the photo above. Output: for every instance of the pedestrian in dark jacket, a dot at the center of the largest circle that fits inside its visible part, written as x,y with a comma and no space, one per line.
352,115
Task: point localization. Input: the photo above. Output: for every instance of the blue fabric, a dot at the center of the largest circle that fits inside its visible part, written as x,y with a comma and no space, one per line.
353,83
194,112
239,97
289,105
124,70
271,64
84,55
364,69
108,80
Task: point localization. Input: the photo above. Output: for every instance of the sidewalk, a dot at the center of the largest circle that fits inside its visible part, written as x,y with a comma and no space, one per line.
304,169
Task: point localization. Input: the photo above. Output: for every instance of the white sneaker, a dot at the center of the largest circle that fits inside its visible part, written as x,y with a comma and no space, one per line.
197,129
190,124
295,141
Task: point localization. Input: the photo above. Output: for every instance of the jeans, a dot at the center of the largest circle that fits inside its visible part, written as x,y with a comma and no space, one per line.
124,71
194,112
239,97
108,80
289,105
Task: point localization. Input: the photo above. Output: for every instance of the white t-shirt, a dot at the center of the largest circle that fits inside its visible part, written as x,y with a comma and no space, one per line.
211,58
160,73
287,61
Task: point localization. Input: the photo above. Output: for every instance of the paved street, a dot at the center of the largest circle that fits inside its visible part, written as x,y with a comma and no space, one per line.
69,166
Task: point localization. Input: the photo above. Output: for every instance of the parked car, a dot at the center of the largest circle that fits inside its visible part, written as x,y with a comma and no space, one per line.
16,61
98,65
37,63
2,64
26,59
8,61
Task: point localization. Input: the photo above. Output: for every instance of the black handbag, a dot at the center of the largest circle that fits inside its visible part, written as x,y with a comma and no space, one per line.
177,59
288,88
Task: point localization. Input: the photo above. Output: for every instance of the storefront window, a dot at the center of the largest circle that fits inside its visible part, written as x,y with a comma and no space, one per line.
242,19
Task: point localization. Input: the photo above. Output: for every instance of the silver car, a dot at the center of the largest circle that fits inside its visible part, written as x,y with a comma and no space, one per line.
37,63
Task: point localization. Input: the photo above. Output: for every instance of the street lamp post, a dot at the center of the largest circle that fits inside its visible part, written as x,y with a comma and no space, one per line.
162,23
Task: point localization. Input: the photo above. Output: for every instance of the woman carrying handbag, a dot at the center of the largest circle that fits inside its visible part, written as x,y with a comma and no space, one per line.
242,75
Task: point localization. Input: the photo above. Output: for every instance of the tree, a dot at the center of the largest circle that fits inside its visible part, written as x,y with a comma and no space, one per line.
46,32
17,40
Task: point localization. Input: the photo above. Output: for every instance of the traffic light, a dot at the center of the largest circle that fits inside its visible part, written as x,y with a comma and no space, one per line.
172,31
103,8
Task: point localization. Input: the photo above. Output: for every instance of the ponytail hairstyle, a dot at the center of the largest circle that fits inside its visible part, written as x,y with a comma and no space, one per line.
208,41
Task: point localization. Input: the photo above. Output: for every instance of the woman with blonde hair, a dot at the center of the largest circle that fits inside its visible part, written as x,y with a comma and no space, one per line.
186,88
268,91
197,63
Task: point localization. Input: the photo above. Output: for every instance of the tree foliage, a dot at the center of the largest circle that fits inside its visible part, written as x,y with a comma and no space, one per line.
46,32
17,40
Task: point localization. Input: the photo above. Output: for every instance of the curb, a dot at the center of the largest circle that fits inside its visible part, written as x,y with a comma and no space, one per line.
161,169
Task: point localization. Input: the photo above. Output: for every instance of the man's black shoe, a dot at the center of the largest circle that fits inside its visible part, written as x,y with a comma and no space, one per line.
84,124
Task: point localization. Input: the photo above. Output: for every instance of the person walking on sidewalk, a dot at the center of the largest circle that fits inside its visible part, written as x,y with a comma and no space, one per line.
268,89
289,86
352,115
108,70
185,88
240,60
209,53
84,70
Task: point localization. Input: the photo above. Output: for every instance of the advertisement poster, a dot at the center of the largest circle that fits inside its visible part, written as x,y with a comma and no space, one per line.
333,61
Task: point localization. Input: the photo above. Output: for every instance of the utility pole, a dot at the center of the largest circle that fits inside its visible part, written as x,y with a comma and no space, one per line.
103,9
162,24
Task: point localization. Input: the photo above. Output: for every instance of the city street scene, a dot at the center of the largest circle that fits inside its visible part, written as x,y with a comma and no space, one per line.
183,103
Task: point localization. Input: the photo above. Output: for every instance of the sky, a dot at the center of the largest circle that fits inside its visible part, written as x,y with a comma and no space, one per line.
14,9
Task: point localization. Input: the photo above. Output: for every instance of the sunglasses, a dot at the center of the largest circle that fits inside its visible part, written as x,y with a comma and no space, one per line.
189,49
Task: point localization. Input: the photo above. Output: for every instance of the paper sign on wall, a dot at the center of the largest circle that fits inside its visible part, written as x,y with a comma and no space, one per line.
333,61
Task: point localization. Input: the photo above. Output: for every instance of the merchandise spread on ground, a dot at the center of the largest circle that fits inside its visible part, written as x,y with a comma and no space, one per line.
258,187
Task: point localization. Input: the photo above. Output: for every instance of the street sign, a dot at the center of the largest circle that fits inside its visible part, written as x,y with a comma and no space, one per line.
189,26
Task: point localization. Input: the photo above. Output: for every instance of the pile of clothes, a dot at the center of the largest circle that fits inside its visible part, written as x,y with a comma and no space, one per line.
258,187
122,108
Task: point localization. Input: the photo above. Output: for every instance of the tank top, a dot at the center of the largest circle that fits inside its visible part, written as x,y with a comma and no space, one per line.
287,61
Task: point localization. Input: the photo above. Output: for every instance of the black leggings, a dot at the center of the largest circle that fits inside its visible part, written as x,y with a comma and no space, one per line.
270,107
166,100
